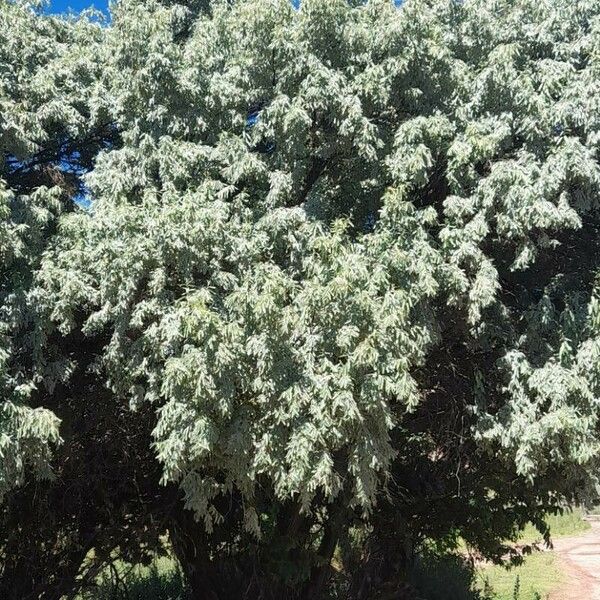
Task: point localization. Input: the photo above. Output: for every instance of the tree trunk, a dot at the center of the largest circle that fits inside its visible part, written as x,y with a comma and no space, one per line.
321,572
191,549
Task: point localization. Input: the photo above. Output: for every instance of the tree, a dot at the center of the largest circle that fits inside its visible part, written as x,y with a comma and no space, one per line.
51,128
345,257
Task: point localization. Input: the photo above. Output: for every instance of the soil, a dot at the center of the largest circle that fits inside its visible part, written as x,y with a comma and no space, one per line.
580,557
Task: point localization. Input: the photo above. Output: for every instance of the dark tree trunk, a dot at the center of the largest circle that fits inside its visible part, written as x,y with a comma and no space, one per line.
321,572
192,551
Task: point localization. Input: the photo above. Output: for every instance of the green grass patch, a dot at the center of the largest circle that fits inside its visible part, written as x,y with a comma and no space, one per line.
162,580
569,523
436,578
540,572
539,575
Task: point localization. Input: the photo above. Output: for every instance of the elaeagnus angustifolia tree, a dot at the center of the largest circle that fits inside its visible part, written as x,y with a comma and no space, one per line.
53,121
42,102
345,256
33,119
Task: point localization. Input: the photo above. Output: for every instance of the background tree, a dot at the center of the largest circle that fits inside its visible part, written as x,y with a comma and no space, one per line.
52,124
343,264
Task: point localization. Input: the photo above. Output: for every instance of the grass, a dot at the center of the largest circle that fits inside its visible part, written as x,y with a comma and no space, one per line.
450,579
567,524
162,580
540,572
539,575
436,579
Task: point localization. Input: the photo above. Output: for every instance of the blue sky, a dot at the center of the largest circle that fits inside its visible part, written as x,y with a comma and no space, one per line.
63,6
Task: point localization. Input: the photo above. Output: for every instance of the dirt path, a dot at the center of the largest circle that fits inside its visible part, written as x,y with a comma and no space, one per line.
581,559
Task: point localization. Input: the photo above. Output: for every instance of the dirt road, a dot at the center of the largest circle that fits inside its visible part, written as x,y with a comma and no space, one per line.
581,559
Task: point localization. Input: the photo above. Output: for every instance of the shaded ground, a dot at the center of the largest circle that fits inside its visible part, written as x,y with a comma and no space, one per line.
580,557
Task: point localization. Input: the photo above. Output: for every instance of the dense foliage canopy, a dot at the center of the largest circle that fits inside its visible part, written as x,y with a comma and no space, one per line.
341,261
